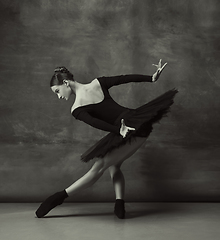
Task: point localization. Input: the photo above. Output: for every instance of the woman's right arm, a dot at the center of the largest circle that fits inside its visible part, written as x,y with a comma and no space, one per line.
102,125
97,123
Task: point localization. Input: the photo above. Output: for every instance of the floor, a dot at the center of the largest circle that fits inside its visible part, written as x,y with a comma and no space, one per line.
159,221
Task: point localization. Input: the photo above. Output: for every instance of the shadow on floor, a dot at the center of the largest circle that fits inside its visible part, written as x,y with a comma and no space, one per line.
79,215
132,211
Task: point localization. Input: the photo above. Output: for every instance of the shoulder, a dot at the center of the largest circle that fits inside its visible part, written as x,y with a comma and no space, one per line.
95,82
80,96
94,85
74,106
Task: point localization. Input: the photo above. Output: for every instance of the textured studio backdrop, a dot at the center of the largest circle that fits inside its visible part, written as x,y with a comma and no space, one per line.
41,142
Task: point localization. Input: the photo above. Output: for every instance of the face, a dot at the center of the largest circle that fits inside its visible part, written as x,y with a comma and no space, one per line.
63,91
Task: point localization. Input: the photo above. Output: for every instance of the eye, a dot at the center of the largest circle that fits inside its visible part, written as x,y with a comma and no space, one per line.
57,91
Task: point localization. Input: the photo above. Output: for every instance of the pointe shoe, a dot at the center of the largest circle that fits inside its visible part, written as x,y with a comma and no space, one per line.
50,203
119,208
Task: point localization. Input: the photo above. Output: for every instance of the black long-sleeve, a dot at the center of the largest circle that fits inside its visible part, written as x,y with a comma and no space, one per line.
122,79
97,123
103,115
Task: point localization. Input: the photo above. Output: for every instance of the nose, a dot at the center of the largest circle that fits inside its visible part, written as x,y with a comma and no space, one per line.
58,95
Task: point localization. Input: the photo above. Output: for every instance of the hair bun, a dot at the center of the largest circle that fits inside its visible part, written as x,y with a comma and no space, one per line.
61,70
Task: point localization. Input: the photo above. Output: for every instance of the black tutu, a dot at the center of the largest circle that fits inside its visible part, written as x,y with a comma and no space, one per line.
141,119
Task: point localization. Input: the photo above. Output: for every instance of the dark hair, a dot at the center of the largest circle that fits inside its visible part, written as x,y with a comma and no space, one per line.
60,74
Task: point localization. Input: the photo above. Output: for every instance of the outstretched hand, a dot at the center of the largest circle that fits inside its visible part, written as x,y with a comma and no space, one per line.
159,70
125,129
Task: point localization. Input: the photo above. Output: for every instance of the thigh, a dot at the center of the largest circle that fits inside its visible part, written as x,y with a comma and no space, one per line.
118,155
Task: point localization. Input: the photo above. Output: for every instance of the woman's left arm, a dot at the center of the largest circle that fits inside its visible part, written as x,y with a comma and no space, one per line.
108,82
159,70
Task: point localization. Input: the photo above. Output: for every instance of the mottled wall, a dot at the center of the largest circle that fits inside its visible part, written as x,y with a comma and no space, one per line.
41,142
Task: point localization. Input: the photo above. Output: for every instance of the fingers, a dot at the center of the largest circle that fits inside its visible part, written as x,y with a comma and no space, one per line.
124,130
162,68
123,123
159,68
159,64
129,128
127,131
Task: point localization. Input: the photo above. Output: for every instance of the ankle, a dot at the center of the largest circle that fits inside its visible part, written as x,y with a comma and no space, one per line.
119,200
119,209
65,194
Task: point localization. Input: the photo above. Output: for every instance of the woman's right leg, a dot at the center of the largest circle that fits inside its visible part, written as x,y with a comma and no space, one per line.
88,179
115,157
85,181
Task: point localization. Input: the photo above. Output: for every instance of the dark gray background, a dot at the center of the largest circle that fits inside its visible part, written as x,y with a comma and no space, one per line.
41,142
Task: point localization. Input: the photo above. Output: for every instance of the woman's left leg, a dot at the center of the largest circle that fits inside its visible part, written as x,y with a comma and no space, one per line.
118,180
115,157
116,173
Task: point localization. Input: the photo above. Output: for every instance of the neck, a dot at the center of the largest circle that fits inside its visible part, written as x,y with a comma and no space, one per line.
75,86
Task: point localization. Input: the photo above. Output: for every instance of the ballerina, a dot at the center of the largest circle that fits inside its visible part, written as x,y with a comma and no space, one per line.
127,129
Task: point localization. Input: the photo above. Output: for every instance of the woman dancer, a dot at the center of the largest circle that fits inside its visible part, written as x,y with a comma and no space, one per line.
128,129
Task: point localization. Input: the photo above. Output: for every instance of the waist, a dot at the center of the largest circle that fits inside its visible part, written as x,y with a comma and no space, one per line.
118,119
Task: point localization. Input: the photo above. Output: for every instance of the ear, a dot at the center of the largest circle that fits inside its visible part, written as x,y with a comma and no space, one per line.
66,82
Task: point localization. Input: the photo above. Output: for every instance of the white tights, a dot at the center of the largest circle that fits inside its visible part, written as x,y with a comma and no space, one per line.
111,161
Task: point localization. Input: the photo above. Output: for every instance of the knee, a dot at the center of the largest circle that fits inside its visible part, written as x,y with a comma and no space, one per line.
98,167
114,170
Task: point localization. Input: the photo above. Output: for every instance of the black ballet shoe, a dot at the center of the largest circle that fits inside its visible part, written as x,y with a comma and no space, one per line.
50,203
119,208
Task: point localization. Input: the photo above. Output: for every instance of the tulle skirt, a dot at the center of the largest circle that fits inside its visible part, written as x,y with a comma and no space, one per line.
141,119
